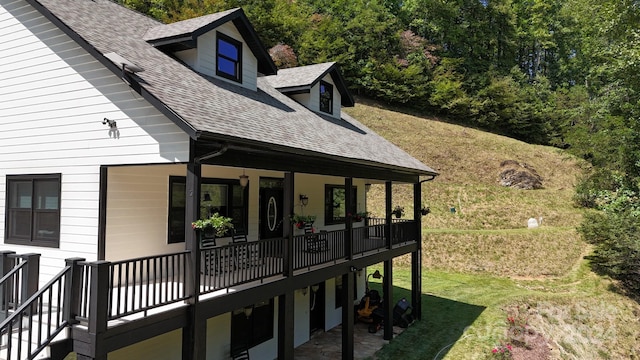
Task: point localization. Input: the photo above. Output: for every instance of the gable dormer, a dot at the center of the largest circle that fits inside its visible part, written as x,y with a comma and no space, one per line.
320,87
223,45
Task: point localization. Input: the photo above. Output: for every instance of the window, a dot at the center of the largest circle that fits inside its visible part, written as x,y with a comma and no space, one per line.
251,326
224,196
228,58
326,97
334,204
33,210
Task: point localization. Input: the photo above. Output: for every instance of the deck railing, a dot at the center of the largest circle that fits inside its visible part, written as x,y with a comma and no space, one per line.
79,294
18,280
35,323
145,283
235,264
317,248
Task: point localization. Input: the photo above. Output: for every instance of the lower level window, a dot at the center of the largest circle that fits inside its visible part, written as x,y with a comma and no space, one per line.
251,326
33,210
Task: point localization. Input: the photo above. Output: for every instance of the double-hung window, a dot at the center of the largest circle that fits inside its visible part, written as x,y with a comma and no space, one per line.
335,207
228,58
223,196
326,97
252,326
33,210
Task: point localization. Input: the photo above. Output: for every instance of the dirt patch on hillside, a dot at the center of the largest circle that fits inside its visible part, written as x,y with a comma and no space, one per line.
536,347
519,176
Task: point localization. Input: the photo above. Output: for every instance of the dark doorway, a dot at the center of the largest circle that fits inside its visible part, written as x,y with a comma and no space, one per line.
316,307
271,214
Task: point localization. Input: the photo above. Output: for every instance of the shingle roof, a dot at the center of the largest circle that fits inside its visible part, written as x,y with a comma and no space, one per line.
299,76
213,106
185,27
304,77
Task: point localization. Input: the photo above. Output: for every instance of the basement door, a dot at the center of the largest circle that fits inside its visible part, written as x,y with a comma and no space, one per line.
316,308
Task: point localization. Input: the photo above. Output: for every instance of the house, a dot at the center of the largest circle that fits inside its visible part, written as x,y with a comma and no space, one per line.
116,131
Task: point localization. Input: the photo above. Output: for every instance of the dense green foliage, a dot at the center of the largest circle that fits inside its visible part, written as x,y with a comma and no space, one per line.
560,72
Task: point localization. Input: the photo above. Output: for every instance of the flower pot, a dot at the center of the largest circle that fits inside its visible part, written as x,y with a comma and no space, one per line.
425,211
397,215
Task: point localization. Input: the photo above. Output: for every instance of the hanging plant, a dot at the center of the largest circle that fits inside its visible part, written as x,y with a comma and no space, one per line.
220,225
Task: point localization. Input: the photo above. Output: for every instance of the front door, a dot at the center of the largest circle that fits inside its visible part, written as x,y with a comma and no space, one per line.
271,214
316,307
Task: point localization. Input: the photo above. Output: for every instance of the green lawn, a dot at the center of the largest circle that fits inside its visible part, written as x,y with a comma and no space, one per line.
464,316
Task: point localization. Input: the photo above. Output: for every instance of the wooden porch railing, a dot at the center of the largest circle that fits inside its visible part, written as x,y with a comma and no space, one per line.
235,264
18,280
79,295
37,321
318,248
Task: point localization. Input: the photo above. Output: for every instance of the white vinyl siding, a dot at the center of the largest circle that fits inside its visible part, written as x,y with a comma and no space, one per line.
206,63
53,99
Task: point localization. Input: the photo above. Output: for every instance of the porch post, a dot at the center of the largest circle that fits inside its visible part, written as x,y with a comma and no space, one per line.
72,290
194,334
102,212
348,315
387,228
7,262
30,276
98,309
286,325
387,299
286,223
348,224
416,256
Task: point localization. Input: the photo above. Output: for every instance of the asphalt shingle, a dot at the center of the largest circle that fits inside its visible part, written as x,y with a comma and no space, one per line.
218,107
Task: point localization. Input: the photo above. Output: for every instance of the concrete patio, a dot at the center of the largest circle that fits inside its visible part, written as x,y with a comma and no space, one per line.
328,345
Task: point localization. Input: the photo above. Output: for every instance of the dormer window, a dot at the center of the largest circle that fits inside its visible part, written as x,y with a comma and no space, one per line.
228,58
326,97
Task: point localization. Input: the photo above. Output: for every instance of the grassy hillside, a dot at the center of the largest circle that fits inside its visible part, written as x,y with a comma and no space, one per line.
482,259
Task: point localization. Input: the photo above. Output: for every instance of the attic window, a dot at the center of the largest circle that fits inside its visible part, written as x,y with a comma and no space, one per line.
326,97
228,58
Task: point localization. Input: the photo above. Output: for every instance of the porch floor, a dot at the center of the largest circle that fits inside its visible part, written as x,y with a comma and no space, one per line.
328,345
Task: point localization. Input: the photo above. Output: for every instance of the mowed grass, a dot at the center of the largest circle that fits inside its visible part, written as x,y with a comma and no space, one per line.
482,260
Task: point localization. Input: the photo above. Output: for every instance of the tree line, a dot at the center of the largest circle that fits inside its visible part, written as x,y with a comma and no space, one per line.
557,72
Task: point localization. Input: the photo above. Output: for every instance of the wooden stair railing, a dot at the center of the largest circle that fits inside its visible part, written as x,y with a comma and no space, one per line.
37,322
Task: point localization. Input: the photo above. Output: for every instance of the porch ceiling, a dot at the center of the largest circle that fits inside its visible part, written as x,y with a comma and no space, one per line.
295,160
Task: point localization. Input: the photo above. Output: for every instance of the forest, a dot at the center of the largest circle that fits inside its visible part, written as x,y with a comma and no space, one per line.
564,73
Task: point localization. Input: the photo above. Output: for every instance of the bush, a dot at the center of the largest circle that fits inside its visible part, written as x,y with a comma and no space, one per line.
617,246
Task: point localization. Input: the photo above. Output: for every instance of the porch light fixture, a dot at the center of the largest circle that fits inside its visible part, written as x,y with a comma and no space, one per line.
376,275
304,200
248,311
304,291
111,123
244,179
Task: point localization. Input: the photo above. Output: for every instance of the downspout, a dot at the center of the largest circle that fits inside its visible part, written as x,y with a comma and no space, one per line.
199,159
427,180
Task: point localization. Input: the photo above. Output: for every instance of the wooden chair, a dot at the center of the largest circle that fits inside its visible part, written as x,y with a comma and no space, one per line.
238,237
316,242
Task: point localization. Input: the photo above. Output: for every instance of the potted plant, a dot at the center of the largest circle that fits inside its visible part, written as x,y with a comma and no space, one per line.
398,211
425,210
359,216
214,226
299,221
